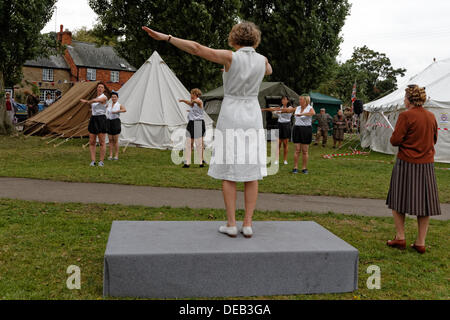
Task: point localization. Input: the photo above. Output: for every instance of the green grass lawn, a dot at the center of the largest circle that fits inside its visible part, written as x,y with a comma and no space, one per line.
38,241
356,176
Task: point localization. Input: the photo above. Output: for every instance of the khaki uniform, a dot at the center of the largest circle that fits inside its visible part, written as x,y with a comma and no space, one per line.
322,127
339,126
349,118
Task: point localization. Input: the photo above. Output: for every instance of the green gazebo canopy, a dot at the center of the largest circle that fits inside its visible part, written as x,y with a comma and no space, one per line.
266,89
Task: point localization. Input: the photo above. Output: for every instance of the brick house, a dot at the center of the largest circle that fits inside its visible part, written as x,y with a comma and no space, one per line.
81,61
88,62
51,75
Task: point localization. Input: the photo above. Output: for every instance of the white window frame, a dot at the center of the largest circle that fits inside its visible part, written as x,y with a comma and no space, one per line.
115,76
47,74
91,74
44,92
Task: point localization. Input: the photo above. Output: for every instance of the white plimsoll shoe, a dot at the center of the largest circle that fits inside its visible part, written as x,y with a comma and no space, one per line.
285,162
247,232
276,162
230,231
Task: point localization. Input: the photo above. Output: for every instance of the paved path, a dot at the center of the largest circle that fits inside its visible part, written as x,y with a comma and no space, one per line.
56,191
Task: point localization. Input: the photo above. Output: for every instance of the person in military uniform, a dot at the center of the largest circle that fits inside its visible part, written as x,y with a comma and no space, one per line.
349,119
324,120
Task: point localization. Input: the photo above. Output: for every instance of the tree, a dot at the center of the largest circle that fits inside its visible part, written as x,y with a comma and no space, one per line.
372,71
299,37
376,72
20,40
205,21
94,35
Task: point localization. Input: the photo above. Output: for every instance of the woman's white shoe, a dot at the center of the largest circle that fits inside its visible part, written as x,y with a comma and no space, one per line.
230,231
247,232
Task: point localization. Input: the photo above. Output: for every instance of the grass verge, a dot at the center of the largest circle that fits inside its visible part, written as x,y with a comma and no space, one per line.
356,176
38,241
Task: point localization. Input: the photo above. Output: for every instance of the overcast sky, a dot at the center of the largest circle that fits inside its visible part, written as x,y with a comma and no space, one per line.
410,32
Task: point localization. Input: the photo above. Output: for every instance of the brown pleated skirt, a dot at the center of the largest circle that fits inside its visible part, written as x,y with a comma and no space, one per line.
413,189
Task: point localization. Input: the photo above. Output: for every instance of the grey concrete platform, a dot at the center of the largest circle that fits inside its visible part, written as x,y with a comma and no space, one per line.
184,259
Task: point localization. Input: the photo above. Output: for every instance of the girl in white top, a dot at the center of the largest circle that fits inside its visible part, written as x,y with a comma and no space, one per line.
195,129
113,112
284,126
243,73
302,132
97,124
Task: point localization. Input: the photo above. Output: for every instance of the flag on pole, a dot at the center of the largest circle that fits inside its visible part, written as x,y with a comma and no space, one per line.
353,94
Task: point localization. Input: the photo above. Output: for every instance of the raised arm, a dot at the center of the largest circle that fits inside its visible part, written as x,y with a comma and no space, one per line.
121,110
199,102
271,109
189,103
222,57
288,110
268,68
308,114
101,100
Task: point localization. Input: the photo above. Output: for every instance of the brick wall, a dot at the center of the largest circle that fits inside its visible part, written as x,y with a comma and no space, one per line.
73,67
32,74
105,76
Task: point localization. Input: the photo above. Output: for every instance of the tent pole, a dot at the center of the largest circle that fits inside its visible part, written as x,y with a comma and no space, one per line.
57,137
49,136
62,135
57,128
30,134
125,149
67,139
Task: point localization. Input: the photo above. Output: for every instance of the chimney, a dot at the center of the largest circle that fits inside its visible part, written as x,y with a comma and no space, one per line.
65,37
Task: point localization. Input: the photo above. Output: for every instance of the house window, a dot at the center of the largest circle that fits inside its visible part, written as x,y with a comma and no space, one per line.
91,75
115,76
47,74
43,95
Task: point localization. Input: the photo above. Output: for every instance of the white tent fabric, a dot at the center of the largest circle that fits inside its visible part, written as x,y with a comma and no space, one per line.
375,132
154,117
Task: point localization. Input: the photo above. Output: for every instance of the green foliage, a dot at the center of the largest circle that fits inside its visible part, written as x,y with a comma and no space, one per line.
364,177
40,240
207,22
299,37
21,22
94,35
372,71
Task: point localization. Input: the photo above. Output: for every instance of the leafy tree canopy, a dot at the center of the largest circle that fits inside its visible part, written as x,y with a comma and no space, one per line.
21,22
299,37
205,21
373,72
95,35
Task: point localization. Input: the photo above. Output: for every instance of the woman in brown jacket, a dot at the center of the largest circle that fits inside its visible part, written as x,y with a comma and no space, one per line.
413,188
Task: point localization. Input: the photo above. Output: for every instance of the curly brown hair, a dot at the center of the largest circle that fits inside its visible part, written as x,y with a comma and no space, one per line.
416,95
197,92
245,34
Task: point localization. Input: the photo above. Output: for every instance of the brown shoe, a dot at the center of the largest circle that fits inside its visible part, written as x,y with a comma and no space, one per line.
419,249
398,244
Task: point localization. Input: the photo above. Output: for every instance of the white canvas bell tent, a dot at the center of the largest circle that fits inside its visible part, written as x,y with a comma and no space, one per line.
154,113
375,132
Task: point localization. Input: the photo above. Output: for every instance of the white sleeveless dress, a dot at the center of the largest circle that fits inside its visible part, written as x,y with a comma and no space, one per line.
239,148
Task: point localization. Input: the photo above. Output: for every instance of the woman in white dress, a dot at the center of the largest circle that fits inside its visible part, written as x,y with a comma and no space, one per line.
238,138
